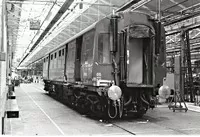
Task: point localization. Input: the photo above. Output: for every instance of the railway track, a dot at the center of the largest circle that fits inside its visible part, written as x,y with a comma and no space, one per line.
128,131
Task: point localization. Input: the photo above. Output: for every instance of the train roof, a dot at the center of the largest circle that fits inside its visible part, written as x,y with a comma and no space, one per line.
74,37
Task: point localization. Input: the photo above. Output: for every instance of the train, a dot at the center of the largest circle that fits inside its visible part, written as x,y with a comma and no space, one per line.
111,68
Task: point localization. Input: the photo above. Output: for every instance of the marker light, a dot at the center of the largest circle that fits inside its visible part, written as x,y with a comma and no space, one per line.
164,91
114,92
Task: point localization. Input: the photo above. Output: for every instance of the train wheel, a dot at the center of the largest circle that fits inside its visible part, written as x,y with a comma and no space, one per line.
96,107
72,100
58,92
83,105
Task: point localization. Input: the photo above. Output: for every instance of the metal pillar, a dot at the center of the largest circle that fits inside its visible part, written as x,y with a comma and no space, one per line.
186,67
189,68
182,63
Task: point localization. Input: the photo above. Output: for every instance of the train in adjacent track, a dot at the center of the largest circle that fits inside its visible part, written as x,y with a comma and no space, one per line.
111,68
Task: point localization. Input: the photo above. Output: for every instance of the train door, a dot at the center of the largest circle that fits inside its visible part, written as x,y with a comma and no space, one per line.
78,58
70,61
48,66
135,60
45,67
87,57
122,50
139,56
65,53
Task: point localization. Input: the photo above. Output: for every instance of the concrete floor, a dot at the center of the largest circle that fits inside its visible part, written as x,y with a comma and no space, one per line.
42,115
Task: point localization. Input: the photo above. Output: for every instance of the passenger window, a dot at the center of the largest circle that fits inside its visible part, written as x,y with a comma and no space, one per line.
87,48
63,52
55,55
44,59
59,53
103,48
51,56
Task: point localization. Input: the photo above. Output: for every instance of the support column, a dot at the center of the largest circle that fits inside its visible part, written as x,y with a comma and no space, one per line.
182,63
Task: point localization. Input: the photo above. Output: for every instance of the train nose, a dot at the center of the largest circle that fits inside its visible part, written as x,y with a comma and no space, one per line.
114,92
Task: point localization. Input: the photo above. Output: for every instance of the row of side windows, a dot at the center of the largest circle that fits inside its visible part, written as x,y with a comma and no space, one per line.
60,53
46,59
103,49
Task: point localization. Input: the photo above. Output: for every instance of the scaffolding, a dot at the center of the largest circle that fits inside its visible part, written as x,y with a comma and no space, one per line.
183,75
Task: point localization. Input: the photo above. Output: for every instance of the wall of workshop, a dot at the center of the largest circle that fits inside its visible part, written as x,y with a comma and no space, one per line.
3,63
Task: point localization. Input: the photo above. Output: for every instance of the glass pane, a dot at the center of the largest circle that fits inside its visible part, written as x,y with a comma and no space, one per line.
87,49
103,49
139,31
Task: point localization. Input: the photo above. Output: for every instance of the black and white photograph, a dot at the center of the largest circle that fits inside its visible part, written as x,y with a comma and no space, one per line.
99,67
